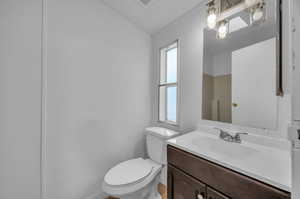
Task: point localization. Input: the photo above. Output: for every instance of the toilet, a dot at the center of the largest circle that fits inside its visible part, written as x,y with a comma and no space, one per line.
138,178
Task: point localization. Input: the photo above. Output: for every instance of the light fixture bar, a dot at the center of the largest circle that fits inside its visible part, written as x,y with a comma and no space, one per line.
250,3
237,9
220,20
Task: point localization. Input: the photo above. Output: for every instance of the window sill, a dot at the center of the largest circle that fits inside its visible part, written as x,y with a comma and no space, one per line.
169,123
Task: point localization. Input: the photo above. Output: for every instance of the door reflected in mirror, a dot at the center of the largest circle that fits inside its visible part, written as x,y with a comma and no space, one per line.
241,70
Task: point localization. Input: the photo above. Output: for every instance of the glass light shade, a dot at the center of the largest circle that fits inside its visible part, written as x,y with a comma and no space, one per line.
257,15
223,30
212,19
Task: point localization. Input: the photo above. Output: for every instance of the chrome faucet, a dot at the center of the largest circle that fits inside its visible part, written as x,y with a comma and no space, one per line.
229,138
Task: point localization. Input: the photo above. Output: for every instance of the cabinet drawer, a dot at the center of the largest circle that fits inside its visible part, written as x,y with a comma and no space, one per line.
232,184
182,186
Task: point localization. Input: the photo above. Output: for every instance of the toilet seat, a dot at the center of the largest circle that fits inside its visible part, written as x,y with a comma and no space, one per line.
128,172
119,190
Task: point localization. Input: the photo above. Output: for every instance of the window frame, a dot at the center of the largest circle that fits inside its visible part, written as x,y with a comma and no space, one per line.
169,85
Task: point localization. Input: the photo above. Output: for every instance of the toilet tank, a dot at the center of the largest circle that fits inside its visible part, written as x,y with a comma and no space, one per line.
156,143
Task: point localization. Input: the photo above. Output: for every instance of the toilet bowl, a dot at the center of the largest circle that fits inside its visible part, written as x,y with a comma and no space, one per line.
139,178
134,179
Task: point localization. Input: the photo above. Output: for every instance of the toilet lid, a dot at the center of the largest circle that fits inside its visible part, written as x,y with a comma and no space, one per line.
128,172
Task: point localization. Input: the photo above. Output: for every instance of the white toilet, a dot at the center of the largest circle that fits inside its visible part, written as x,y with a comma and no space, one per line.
139,178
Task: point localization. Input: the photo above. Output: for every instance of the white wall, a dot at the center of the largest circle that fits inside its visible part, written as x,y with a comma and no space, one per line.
222,64
20,98
188,29
296,100
98,95
208,63
296,91
217,64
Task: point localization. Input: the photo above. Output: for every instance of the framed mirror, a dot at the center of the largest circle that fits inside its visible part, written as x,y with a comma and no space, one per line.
242,63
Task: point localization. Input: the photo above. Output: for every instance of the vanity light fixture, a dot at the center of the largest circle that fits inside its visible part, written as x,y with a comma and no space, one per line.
219,20
212,15
223,29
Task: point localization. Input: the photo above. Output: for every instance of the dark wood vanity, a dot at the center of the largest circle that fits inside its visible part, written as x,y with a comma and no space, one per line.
192,177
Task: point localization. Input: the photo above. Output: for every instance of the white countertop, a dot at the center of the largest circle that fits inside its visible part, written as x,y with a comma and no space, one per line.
267,164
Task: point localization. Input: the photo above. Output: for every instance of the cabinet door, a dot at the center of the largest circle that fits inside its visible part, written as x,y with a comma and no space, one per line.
212,194
182,186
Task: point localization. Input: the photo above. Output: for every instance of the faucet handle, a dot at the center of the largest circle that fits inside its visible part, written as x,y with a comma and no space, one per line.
221,130
238,136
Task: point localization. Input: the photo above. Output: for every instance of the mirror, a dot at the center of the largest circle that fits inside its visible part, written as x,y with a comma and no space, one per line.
242,64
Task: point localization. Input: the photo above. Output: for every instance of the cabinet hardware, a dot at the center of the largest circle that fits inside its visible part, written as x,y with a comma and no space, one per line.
235,105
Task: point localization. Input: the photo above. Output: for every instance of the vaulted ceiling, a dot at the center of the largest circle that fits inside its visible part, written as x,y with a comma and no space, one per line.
153,16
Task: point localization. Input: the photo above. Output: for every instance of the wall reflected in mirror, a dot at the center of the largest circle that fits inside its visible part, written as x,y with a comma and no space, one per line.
240,70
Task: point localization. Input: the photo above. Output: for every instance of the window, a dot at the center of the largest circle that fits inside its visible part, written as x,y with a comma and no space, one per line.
168,84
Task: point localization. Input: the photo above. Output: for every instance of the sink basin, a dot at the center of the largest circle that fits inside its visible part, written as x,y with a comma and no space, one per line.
233,150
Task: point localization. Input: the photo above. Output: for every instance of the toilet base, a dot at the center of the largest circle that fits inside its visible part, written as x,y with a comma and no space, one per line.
148,192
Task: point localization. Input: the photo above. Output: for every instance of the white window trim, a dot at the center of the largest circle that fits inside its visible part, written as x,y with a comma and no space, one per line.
174,84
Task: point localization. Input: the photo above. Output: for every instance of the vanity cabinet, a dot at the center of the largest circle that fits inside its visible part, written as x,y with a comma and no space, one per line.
192,177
